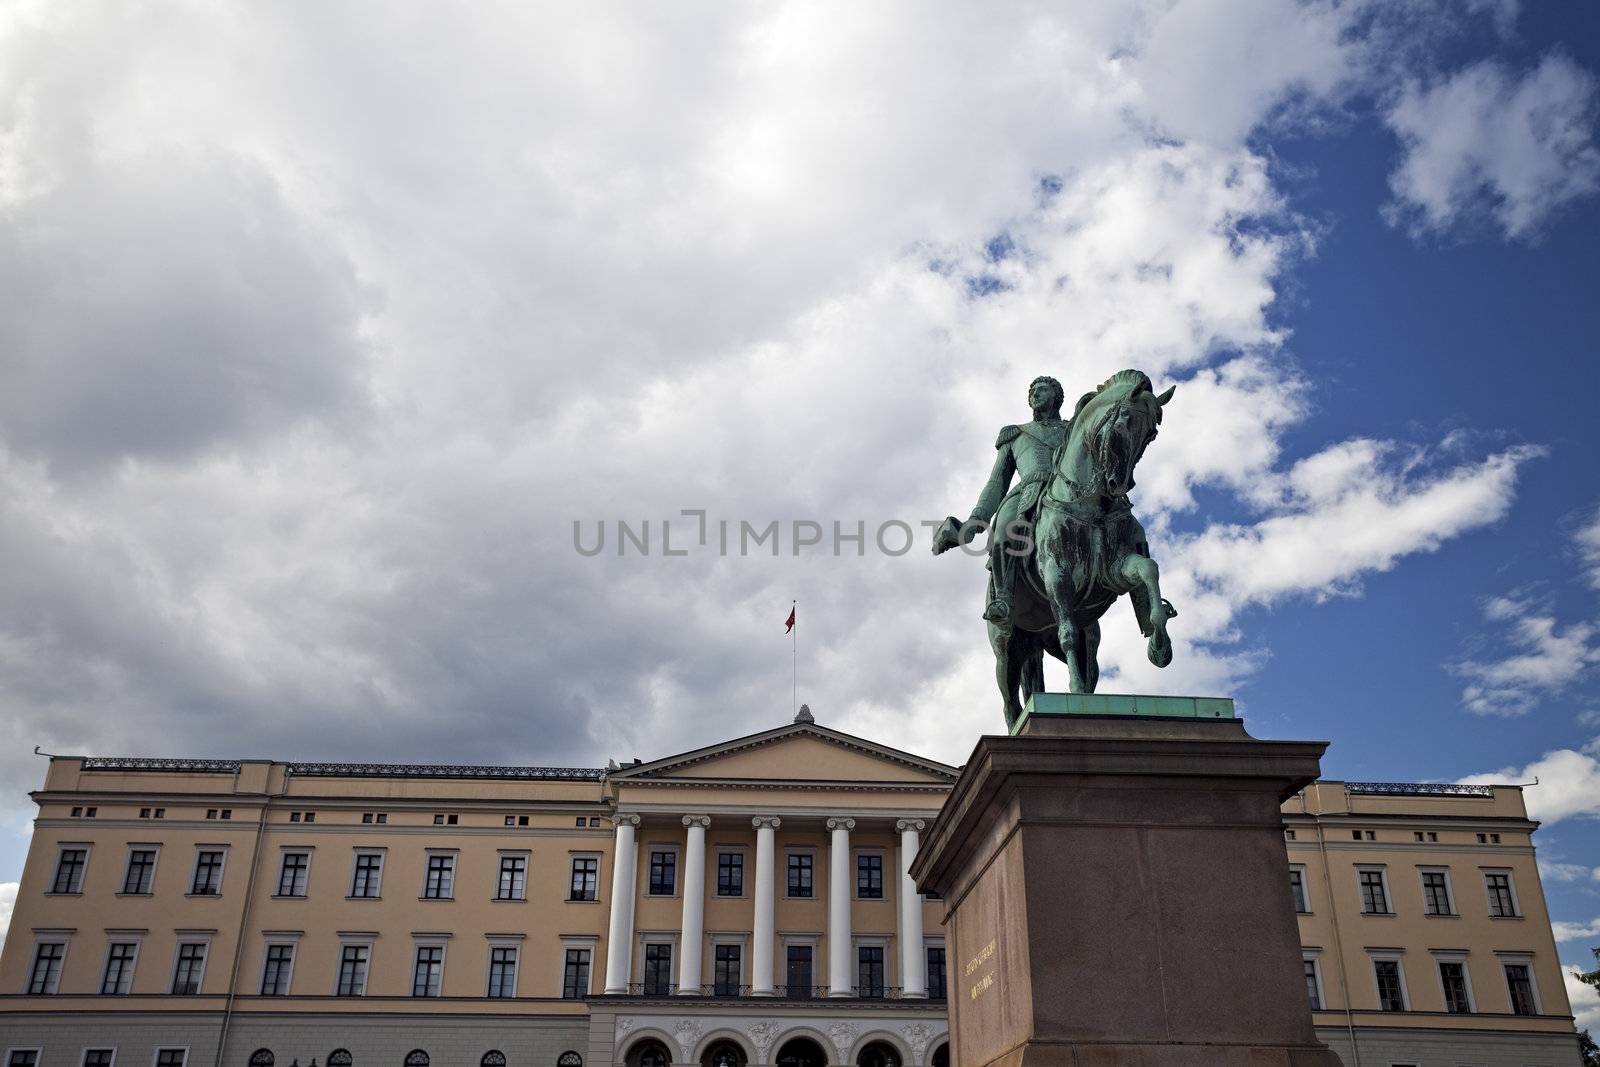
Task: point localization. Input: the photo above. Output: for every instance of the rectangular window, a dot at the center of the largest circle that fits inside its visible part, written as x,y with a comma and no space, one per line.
275,975
69,870
292,874
1374,897
585,877
171,1057
353,970
441,880
98,1057
513,884
800,875
368,873
141,873
503,971
1297,884
725,971
118,979
428,974
1313,987
207,873
1453,977
45,978
869,876
663,873
1501,903
730,874
869,971
23,1057
191,967
1520,984
797,969
575,972
936,986
1391,995
1436,894
657,969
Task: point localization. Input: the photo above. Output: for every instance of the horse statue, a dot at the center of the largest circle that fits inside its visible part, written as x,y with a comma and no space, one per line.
1077,549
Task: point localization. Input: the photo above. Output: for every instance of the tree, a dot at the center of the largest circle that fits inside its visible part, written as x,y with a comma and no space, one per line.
1586,1045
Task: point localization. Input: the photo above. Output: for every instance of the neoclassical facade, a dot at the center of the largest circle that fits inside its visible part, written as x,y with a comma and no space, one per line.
741,904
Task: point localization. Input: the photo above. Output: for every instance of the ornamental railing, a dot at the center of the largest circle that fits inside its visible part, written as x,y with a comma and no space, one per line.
1419,789
150,763
781,992
440,770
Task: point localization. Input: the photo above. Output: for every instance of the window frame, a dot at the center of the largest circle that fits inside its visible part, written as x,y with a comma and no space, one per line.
83,1058
931,945
419,945
62,848
113,939
726,853
381,854
1398,959
345,944
51,987
574,858
860,987
37,1050
513,944
181,1050
1313,957
1302,897
675,853
1383,882
863,857
1449,891
222,871
453,856
809,943
154,848
1520,959
810,868
658,941
576,944
180,941
270,941
512,854
736,943
1511,891
1447,956
284,852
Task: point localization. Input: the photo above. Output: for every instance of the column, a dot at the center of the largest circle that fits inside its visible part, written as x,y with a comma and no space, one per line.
619,937
765,929
694,905
839,873
913,961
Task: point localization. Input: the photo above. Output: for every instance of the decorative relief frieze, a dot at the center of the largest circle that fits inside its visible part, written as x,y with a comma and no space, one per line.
688,1032
843,1036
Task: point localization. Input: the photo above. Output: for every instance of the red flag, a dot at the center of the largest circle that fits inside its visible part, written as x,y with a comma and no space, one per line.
789,625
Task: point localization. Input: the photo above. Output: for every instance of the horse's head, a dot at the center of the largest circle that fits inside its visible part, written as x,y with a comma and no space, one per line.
1116,423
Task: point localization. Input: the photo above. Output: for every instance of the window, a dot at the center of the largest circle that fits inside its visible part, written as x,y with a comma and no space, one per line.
428,974
140,876
1453,978
292,874
936,987
502,971
730,874
869,971
440,882
23,1057
227,813
569,1059
1502,905
1288,835
513,884
353,970
800,874
1313,985
144,813
207,873
261,1057
98,1057
663,873
374,816
657,969
160,813
294,816
191,967
69,870
1436,894
493,1058
118,979
797,970
580,820
416,1058
171,1057
585,876
1519,982
1374,894
869,876
368,874
726,971
1297,884
46,975
575,973
211,813
275,973
340,1057
1391,993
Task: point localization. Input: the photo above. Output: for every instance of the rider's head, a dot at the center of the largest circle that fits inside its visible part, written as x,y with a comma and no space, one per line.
1046,394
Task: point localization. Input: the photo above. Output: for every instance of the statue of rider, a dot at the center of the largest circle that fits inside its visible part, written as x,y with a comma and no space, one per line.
1027,452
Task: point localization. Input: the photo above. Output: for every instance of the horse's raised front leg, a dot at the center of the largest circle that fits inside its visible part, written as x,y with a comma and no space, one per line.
1057,577
1142,575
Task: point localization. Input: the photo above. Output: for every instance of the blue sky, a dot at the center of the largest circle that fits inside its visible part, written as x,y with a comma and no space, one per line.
320,335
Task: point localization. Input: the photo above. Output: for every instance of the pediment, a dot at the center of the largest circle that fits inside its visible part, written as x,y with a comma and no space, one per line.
802,752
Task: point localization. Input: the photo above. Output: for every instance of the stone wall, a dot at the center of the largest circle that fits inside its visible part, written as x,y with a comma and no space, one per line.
1453,1048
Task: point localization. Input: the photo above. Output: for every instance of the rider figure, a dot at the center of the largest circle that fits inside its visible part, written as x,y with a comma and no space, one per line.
1026,451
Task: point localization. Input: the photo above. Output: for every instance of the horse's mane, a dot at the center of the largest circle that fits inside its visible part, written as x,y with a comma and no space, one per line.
1132,378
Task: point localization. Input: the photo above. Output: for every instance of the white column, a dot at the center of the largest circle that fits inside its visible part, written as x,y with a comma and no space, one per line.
694,905
765,930
913,961
619,938
839,969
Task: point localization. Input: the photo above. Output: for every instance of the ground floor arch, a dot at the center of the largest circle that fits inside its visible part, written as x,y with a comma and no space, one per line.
800,1052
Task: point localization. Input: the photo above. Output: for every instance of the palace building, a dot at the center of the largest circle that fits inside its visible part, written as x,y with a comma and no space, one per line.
740,904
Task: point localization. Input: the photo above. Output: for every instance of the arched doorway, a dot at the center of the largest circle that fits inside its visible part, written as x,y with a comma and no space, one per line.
723,1053
878,1054
801,1052
649,1053
941,1057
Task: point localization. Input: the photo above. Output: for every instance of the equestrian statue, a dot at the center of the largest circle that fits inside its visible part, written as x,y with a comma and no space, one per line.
1063,542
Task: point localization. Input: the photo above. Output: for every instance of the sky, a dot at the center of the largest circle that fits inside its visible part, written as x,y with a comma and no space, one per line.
333,339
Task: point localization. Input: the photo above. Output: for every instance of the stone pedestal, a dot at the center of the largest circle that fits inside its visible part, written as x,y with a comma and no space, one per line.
1117,891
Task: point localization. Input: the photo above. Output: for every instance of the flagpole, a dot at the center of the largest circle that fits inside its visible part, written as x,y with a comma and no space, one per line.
794,658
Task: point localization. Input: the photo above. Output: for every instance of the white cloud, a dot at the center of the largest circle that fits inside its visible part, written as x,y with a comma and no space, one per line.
1586,541
1565,931
1569,784
1486,140
8,901
1553,871
1545,658
1585,999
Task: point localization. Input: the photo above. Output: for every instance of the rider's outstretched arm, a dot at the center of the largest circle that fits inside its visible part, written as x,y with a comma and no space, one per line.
994,491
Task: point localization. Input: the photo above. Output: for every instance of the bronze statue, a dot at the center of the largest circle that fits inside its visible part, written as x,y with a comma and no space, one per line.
1064,543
